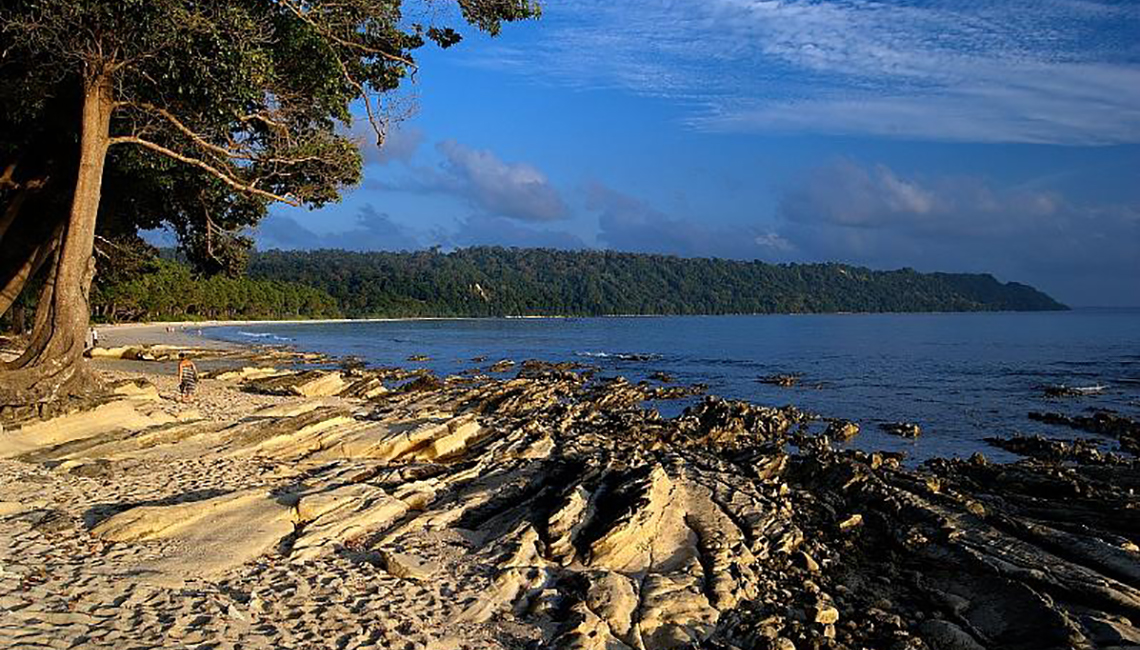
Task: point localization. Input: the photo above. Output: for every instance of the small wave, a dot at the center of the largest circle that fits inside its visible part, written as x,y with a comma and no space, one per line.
265,335
621,356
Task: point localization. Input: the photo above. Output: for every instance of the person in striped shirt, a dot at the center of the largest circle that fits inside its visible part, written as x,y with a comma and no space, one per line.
187,377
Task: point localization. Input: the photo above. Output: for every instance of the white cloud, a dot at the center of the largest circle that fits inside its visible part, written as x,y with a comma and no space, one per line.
1056,71
515,190
482,180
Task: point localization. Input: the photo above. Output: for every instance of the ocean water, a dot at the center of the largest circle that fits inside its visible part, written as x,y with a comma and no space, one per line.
962,377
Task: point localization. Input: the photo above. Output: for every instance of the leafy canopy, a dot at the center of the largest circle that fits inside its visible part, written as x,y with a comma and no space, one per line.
221,106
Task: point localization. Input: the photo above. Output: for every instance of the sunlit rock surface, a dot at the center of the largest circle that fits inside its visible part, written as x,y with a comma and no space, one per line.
596,523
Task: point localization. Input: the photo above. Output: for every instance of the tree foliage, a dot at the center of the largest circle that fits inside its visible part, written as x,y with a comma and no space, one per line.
117,115
502,282
169,291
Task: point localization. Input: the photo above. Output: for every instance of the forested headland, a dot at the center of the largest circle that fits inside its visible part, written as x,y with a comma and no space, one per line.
491,281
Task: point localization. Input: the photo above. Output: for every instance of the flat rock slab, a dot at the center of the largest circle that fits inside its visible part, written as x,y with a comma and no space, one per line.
112,416
212,536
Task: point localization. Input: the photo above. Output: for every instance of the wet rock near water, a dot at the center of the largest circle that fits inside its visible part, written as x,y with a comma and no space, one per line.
566,370
841,430
783,380
902,429
1108,423
503,365
1055,450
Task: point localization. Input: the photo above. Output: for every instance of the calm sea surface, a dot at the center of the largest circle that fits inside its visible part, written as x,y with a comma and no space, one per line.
963,377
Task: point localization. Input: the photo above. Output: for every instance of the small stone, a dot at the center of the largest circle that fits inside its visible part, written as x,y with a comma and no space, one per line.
842,430
406,565
235,613
854,521
826,614
783,643
808,562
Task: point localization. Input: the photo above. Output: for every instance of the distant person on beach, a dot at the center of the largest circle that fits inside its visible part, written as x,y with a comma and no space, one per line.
94,337
187,378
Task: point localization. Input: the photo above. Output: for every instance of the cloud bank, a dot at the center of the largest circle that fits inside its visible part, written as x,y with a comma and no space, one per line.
1085,252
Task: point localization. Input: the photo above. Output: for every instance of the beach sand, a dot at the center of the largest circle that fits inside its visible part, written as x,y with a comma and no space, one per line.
176,334
61,586
293,507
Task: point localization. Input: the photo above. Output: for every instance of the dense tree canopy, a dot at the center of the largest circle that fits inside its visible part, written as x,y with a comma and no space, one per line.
504,282
117,115
163,290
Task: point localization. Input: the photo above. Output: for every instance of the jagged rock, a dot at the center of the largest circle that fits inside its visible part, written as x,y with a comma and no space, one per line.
1053,450
313,383
421,384
841,429
365,387
1108,423
902,429
1111,631
609,526
535,369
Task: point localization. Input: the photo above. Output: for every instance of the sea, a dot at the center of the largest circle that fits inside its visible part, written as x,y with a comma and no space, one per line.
962,377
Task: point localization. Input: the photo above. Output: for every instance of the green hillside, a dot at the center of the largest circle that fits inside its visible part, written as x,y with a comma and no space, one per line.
503,282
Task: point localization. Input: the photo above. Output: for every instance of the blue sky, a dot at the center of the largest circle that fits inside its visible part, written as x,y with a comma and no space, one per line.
955,135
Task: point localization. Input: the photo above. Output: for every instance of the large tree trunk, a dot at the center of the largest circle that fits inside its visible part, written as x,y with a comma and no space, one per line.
52,367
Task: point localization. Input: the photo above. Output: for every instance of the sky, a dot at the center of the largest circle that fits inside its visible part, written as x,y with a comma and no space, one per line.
998,136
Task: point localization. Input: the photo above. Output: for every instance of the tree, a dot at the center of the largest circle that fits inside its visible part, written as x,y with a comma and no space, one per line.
120,114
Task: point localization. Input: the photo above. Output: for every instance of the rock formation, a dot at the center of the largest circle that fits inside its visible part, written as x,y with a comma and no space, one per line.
608,526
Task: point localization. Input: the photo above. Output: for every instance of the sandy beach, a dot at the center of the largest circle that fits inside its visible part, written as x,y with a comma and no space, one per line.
290,506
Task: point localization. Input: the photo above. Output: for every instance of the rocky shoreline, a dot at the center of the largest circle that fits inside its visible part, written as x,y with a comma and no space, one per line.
315,507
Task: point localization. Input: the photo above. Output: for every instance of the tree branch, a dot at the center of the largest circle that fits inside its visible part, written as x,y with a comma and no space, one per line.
303,15
190,133
226,178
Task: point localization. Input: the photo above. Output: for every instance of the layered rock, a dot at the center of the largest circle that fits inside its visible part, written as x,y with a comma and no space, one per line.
609,526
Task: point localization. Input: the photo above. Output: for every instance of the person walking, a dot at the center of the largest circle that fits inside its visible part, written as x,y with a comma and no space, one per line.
187,377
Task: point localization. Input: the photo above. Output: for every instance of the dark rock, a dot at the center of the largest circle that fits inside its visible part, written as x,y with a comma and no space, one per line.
502,365
841,429
782,380
902,429
1104,422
